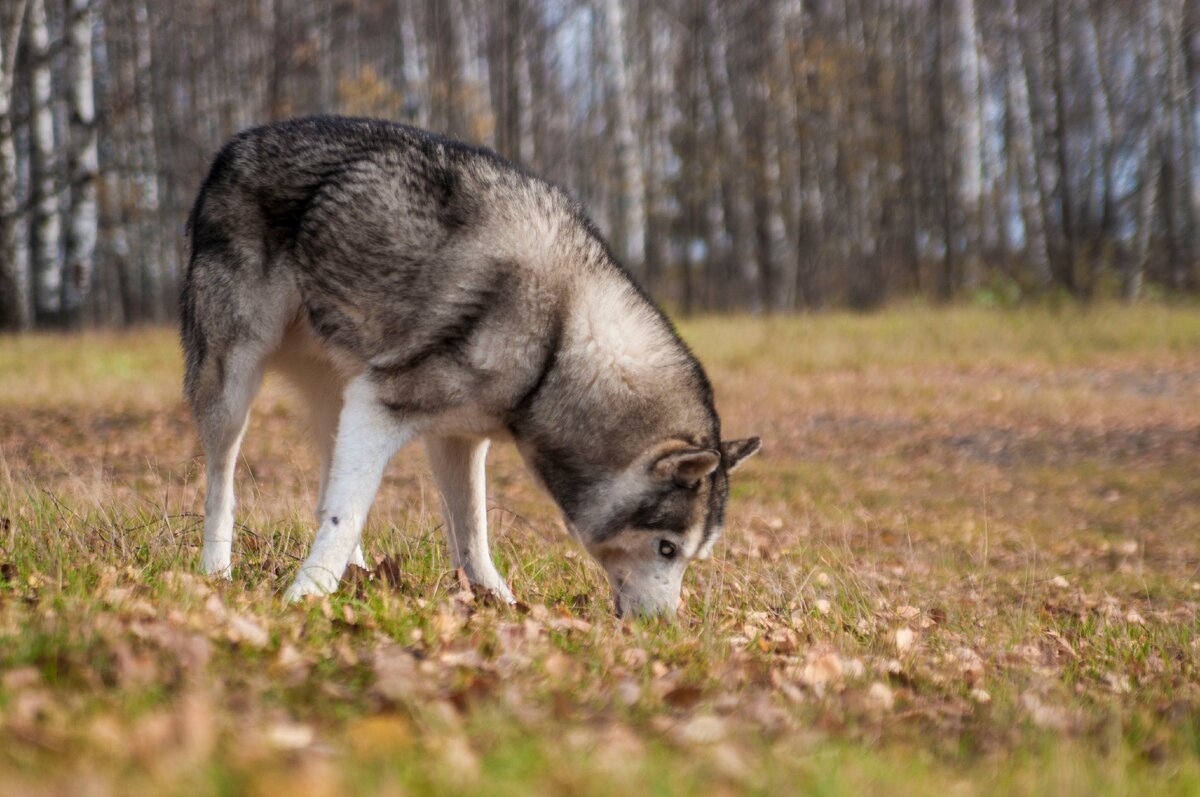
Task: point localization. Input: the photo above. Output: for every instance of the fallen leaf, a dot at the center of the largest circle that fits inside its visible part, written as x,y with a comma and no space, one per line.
379,736
880,697
389,572
683,697
980,696
820,671
290,736
702,730
243,629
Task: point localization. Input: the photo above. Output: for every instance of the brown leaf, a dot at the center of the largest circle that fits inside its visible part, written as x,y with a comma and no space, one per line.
821,671
290,736
244,629
702,730
880,698
379,736
559,665
21,678
355,580
396,674
389,572
683,697
478,686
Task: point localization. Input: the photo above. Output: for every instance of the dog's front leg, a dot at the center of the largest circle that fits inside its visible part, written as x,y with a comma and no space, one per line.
368,435
458,465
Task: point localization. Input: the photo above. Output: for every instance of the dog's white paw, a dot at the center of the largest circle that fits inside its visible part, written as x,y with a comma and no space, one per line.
306,585
501,591
221,568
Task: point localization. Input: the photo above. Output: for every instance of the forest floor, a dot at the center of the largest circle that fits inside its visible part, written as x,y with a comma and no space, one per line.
967,562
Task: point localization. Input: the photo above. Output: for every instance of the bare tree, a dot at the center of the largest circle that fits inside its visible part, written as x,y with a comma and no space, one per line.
630,229
45,225
82,161
13,277
969,135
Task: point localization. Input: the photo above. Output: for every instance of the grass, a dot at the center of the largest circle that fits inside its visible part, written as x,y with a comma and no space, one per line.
967,562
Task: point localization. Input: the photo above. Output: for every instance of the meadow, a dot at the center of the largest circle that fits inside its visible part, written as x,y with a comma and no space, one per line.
967,562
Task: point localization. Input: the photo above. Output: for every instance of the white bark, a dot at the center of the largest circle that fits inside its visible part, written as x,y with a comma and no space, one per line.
83,160
1181,140
655,126
416,74
631,234
526,146
1026,165
1131,287
735,208
145,171
45,222
14,278
784,97
970,133
473,94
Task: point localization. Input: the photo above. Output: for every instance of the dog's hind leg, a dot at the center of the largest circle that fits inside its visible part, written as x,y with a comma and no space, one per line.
458,465
368,435
321,388
222,407
233,321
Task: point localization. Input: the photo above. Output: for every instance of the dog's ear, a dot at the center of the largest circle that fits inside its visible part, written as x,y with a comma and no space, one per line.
686,467
735,452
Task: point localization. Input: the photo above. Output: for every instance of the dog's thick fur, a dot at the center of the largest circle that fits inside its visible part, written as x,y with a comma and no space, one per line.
413,286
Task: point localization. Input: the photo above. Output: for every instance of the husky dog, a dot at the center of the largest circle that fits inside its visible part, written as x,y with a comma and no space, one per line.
413,286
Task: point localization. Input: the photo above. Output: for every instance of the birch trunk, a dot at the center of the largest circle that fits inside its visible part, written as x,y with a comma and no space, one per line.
1131,283
969,122
145,171
784,95
630,232
1181,142
1068,262
45,228
1025,163
14,279
657,96
734,208
416,76
82,160
810,271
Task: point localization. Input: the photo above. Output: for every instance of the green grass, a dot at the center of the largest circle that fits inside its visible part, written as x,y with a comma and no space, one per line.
1016,489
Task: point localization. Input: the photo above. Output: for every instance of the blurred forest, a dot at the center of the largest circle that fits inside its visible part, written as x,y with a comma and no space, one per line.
761,155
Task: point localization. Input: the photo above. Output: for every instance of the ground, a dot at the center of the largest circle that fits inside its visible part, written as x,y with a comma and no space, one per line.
966,562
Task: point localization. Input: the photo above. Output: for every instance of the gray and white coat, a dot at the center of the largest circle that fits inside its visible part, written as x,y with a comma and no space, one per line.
413,286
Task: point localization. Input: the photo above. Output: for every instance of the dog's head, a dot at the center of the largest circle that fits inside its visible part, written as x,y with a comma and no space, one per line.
649,521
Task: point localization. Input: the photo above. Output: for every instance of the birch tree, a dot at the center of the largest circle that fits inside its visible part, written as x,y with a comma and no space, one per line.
45,226
969,124
630,225
13,276
82,161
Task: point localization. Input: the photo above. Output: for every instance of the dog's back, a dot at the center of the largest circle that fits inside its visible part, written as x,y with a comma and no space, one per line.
446,272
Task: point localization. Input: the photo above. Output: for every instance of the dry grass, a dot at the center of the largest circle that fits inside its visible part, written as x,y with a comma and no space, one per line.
968,560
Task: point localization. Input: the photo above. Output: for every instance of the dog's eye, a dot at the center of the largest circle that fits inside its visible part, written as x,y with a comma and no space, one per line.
667,548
